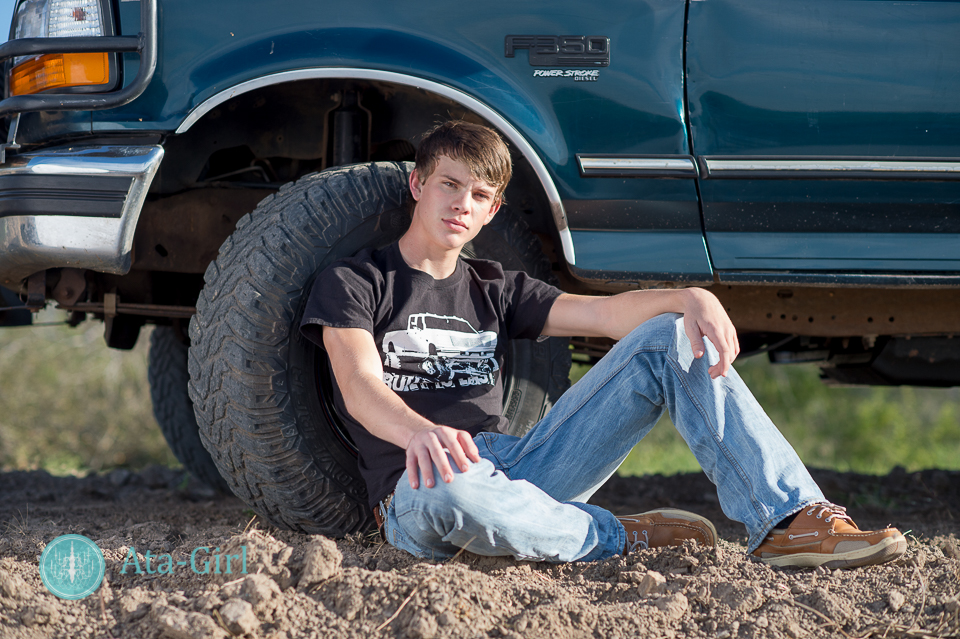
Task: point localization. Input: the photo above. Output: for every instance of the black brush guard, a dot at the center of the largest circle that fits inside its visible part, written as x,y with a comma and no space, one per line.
144,43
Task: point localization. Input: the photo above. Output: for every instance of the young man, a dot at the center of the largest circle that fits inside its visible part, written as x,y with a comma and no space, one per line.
416,336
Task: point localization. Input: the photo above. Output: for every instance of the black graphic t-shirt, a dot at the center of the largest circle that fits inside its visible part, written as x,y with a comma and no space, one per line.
441,342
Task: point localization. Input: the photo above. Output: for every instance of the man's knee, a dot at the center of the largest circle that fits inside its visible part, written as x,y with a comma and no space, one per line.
666,333
443,500
661,330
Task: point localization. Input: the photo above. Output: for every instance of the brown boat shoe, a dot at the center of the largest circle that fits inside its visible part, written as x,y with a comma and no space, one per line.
824,535
666,527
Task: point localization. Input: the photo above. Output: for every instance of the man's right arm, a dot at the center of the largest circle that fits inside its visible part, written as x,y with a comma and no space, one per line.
359,373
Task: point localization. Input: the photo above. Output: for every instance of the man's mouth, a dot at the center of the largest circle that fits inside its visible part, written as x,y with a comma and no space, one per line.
455,223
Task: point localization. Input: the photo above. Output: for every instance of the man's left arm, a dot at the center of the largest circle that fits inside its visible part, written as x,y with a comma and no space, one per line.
616,315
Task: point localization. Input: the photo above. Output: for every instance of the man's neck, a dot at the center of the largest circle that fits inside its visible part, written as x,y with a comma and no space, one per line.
436,262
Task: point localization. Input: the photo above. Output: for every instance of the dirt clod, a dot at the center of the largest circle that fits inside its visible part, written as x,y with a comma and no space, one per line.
895,600
651,583
738,597
258,590
134,604
321,561
270,555
11,585
673,606
40,614
239,617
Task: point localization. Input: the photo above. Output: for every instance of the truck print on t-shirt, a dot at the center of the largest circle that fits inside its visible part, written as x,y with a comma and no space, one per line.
438,351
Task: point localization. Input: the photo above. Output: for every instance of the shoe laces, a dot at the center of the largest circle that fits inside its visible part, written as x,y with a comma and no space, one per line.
832,512
644,543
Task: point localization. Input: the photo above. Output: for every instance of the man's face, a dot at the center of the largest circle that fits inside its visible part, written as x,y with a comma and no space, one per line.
452,205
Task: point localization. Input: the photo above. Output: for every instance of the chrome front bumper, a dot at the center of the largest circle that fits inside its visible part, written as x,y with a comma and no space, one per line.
72,207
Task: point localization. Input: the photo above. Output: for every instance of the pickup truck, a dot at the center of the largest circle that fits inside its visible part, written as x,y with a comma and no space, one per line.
443,347
194,165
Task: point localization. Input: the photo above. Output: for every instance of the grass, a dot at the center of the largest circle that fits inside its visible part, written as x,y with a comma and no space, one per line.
69,404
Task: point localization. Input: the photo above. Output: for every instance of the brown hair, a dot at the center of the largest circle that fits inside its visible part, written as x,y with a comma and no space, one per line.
477,146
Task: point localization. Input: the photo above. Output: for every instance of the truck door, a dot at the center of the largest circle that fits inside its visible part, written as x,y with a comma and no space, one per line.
828,137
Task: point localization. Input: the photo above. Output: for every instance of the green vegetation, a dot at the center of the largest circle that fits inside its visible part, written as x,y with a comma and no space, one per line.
70,404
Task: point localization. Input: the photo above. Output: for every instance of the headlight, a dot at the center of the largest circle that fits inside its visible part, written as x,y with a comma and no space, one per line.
59,19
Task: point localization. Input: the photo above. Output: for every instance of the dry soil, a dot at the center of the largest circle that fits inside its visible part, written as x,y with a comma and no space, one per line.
309,586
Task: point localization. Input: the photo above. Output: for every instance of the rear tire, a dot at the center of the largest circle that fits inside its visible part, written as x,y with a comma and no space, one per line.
262,392
172,408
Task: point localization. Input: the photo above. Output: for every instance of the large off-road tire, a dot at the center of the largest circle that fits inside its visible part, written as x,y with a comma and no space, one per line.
262,392
168,377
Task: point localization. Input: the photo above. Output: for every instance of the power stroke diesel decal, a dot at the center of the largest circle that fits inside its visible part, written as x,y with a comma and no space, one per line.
579,75
560,51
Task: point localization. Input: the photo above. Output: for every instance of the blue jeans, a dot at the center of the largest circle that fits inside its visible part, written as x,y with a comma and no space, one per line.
527,497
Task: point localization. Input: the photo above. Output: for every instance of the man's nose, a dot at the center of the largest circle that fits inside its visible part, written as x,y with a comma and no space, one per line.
462,201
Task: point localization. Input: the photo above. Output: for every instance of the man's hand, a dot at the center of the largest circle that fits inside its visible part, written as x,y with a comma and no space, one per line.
704,316
430,446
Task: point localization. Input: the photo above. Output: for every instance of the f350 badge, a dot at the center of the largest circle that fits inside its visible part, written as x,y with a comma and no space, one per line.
562,51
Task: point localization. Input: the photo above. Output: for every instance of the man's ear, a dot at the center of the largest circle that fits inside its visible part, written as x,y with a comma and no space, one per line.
415,186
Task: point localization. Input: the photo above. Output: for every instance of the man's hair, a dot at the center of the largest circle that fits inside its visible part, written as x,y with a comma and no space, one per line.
477,146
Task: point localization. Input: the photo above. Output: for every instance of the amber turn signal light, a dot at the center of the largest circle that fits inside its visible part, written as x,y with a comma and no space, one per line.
59,70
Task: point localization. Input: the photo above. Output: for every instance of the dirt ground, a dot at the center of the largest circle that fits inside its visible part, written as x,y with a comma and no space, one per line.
307,586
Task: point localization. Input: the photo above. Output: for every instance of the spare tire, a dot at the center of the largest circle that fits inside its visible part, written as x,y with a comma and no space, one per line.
262,392
172,408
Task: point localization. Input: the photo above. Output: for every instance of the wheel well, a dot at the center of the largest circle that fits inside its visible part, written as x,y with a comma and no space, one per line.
248,146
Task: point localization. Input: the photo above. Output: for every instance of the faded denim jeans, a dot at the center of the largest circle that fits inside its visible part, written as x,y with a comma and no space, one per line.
527,496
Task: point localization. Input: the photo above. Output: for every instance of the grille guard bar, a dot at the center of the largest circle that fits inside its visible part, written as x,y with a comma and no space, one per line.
145,43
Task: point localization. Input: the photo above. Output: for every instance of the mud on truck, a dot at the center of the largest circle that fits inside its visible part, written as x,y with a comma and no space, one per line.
195,165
